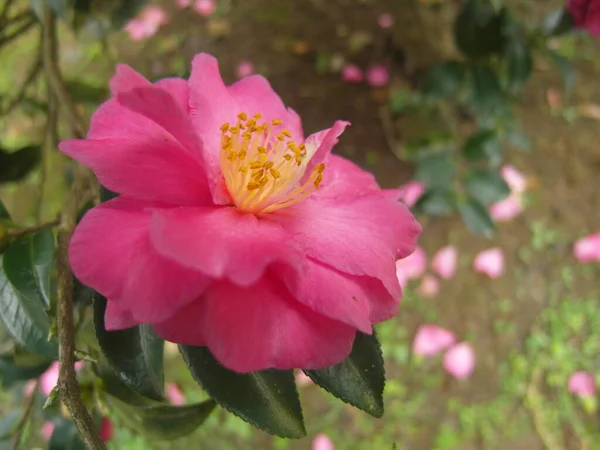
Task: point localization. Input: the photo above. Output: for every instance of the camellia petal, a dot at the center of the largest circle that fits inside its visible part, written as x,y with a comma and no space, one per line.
431,340
118,318
490,262
582,383
587,248
413,265
459,360
445,261
322,442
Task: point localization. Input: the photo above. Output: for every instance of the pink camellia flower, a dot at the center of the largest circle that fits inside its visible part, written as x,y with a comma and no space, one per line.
411,192
322,442
106,429
174,394
507,209
413,265
587,249
47,430
378,76
351,73
445,261
490,262
232,231
50,377
205,7
459,360
147,23
429,286
430,340
386,20
586,14
244,69
516,180
582,384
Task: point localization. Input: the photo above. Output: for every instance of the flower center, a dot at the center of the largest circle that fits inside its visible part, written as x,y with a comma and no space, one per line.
263,167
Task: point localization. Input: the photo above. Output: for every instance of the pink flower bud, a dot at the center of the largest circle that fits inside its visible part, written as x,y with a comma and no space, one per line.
490,262
445,261
429,286
459,361
352,74
430,340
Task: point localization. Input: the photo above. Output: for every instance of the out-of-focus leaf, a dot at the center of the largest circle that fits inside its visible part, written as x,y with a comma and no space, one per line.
564,67
16,165
444,79
436,170
437,202
86,93
476,217
516,138
27,264
135,354
60,8
3,211
25,318
557,22
484,145
359,379
487,186
487,94
11,372
9,423
519,62
65,436
478,29
267,399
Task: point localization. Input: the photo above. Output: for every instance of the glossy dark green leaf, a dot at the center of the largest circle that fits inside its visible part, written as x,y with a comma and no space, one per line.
564,67
11,372
359,379
487,186
267,399
135,354
15,165
65,436
106,195
484,145
557,22
27,264
86,93
486,91
519,62
437,202
478,29
25,318
436,170
476,217
444,79
164,422
113,386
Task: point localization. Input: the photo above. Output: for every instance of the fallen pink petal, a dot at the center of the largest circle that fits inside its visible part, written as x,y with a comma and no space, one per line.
378,76
459,360
352,74
205,7
582,384
587,248
244,69
174,395
445,262
429,287
490,262
506,209
322,442
411,192
385,20
413,265
430,340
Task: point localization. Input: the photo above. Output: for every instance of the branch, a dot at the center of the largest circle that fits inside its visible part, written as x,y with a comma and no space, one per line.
33,229
16,441
18,32
5,10
33,73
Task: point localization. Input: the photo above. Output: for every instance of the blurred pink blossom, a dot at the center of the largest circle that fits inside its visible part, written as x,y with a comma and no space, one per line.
351,73
146,23
322,442
582,384
244,69
516,180
378,76
183,3
429,286
50,377
174,395
47,430
507,209
28,388
413,265
205,7
386,20
587,248
302,379
431,339
459,360
106,429
445,261
490,262
411,192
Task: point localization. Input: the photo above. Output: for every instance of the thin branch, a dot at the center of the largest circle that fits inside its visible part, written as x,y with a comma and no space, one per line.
18,32
16,441
33,73
5,10
33,229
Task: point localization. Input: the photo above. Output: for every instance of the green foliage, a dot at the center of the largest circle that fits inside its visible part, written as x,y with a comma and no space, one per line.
486,186
15,165
476,217
65,436
478,29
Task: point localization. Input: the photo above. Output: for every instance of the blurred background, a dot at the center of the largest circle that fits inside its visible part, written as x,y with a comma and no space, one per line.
485,112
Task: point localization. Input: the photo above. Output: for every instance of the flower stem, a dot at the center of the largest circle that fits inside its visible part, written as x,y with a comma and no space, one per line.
23,231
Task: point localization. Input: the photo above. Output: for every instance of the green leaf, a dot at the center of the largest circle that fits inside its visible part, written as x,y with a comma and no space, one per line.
436,170
65,436
27,264
106,195
487,186
444,79
11,372
484,145
3,211
25,318
8,425
86,93
519,62
135,354
557,22
487,94
164,421
267,399
113,386
15,165
437,202
359,379
476,217
478,29
564,67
